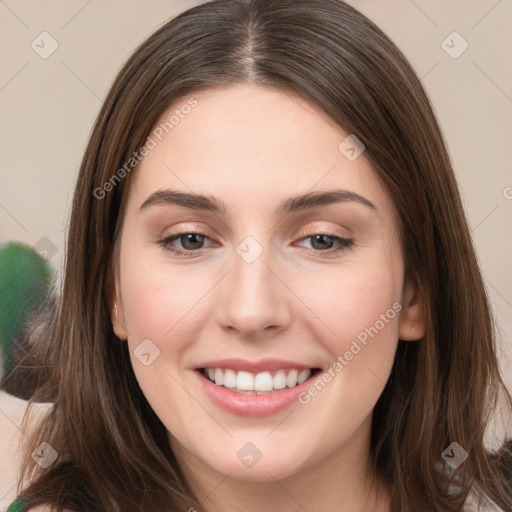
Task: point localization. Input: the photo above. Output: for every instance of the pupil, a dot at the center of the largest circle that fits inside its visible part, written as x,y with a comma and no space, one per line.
317,238
190,238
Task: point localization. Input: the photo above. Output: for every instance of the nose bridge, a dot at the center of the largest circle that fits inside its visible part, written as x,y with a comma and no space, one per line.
253,297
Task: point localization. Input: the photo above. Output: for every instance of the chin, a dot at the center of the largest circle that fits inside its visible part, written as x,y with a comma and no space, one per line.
266,469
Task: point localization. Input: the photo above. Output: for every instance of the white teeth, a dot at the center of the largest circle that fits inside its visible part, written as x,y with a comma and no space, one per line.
229,379
219,377
291,380
280,380
262,382
244,381
303,376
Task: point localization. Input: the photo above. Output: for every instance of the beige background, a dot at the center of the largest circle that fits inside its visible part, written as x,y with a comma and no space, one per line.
48,107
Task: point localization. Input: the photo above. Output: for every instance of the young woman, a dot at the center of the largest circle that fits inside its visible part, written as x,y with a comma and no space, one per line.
271,300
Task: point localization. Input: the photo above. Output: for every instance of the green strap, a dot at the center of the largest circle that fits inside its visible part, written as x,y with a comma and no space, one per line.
16,506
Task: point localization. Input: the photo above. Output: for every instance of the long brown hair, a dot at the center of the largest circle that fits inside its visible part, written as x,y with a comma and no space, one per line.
114,450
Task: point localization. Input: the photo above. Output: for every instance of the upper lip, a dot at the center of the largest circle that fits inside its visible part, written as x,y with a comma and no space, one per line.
252,366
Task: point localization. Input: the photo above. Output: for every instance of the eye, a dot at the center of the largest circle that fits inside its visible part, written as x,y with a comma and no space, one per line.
324,243
190,241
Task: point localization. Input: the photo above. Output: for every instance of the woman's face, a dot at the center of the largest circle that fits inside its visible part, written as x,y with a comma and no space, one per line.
295,266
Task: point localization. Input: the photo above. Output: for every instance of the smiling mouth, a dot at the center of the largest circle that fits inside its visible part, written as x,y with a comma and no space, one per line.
262,383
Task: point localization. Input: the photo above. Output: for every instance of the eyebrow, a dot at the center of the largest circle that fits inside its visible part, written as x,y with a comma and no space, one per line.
293,204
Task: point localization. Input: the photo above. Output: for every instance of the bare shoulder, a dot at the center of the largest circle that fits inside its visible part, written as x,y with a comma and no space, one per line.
12,410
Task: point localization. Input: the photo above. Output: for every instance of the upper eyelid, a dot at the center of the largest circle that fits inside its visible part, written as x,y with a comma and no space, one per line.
310,232
190,228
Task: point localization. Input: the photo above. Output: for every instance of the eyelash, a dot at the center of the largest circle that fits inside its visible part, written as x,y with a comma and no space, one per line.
345,243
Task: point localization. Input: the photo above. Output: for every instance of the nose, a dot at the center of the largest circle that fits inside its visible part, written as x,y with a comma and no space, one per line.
253,298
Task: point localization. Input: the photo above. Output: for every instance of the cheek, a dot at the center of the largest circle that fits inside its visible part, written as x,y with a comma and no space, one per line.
359,310
161,301
351,302
359,313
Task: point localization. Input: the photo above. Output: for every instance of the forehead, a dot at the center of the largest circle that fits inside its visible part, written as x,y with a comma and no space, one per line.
251,147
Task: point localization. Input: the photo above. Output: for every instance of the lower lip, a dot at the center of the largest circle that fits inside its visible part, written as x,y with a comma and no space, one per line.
253,405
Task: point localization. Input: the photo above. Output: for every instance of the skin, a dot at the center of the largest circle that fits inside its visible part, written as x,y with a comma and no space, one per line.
252,148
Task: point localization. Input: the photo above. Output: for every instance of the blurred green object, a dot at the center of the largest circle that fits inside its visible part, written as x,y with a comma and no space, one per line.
25,281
